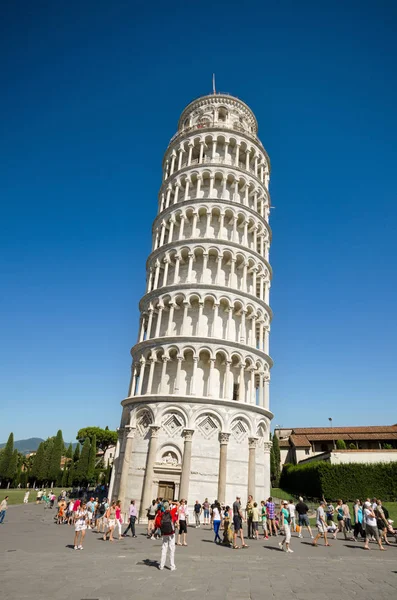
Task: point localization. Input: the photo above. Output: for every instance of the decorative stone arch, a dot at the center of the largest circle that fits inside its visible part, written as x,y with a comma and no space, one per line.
144,417
173,420
207,421
165,450
240,427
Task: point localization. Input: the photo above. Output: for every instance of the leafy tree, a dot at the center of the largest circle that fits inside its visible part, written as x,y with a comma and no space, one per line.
341,444
6,457
104,437
54,466
76,454
83,464
92,460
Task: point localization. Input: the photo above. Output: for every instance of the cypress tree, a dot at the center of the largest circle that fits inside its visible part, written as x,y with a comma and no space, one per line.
92,460
69,452
48,449
12,466
276,454
65,477
55,457
71,472
37,468
76,454
82,465
6,457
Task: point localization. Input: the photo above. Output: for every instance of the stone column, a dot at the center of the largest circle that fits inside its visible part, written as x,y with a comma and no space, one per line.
173,158
141,375
186,464
181,227
267,447
176,193
223,440
226,380
176,270
151,372
251,465
127,453
193,381
151,458
132,382
178,373
210,377
115,470
158,324
201,152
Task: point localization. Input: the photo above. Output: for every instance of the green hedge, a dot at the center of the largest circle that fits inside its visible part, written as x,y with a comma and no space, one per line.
348,481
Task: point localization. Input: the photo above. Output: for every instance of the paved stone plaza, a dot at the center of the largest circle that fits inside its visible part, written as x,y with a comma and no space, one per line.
37,561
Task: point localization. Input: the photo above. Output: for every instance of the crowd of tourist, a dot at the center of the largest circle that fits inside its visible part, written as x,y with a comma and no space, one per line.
368,520
168,520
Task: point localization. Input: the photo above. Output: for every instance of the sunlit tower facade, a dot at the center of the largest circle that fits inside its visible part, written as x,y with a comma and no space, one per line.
196,420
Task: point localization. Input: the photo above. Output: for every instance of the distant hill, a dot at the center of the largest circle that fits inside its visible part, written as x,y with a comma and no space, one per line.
25,446
31,445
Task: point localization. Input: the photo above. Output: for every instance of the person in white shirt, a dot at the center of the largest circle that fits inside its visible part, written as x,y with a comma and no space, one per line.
183,516
26,497
291,508
80,526
371,528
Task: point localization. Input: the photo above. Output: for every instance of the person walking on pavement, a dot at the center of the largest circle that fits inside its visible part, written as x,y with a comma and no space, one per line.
3,509
371,528
271,516
238,524
183,516
132,514
321,524
167,528
302,509
216,520
197,513
285,520
248,511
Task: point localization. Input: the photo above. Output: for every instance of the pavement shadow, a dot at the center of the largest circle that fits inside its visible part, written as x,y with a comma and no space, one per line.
69,546
355,547
272,548
149,563
307,543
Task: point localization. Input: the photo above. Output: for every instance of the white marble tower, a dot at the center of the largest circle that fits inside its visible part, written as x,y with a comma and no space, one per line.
196,420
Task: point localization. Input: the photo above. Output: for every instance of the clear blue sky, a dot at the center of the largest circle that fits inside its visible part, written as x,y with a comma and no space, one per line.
91,94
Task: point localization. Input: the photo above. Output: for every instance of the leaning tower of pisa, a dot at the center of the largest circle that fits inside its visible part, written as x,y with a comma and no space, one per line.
196,420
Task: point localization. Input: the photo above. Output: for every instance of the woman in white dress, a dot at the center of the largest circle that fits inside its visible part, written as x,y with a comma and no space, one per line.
80,526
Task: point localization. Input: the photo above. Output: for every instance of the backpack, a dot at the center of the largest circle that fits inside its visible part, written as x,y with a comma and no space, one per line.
166,526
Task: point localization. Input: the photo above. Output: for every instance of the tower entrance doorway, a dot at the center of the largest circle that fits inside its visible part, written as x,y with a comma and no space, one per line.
166,490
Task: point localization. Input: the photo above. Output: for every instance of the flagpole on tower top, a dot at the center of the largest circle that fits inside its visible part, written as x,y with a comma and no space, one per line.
213,83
